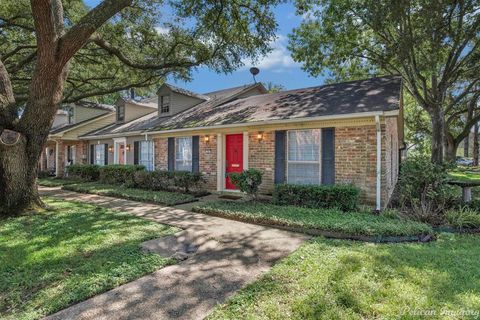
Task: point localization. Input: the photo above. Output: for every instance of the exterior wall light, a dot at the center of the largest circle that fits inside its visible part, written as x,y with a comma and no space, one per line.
206,139
127,148
260,136
110,149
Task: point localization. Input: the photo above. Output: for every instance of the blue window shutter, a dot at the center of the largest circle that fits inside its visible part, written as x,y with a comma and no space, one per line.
106,153
171,154
196,154
328,155
136,152
92,154
280,152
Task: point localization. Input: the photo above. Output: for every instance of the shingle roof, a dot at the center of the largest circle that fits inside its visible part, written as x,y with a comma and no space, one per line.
369,95
186,92
68,126
151,120
94,105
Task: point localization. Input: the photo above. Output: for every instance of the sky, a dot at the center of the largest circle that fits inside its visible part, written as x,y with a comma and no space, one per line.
277,67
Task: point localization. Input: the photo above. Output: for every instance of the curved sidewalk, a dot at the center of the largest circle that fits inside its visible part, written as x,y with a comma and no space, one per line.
230,255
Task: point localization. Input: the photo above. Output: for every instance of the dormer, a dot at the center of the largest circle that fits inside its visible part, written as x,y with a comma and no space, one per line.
128,110
173,100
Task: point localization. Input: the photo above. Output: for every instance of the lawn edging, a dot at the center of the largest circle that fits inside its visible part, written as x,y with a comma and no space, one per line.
154,197
426,237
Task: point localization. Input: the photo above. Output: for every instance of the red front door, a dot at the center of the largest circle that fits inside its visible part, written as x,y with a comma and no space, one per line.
233,156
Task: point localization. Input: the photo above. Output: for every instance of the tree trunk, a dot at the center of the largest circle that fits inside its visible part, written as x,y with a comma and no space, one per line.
466,144
438,135
451,147
475,145
18,172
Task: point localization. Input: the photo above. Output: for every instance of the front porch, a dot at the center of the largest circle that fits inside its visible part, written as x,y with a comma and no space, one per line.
58,154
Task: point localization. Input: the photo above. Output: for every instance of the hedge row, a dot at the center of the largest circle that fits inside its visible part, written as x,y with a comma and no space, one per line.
134,176
341,196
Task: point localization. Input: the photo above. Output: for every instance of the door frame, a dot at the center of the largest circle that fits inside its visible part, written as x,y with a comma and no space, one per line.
222,158
116,145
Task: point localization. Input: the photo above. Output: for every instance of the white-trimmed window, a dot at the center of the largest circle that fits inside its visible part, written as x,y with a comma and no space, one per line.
146,155
100,154
303,156
121,113
71,115
183,154
164,104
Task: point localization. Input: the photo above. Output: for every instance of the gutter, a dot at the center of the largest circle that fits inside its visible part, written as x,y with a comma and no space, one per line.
378,206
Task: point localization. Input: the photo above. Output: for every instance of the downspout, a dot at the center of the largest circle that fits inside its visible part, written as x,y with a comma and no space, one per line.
378,206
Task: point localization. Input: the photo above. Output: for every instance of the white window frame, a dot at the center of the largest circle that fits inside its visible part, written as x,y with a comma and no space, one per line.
305,162
140,161
191,153
162,98
122,118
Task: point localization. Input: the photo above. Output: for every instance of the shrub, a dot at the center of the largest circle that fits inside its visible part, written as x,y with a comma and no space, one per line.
464,217
154,180
119,174
43,174
247,181
187,180
343,197
423,192
85,172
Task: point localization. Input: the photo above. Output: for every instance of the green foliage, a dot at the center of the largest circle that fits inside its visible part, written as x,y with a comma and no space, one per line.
419,40
333,279
423,192
464,217
53,259
343,197
187,180
160,197
351,223
154,180
55,182
119,174
85,172
247,181
164,44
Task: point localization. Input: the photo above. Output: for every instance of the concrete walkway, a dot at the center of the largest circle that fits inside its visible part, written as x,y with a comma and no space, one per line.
230,255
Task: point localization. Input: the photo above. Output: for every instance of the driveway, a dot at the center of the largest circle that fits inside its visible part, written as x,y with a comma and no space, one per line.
230,255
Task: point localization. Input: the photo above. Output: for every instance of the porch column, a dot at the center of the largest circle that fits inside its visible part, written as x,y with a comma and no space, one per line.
57,159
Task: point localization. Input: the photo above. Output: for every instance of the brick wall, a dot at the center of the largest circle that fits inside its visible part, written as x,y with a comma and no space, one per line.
355,159
262,156
161,153
208,160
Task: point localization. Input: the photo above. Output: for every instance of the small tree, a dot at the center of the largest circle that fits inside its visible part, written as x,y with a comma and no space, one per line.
247,181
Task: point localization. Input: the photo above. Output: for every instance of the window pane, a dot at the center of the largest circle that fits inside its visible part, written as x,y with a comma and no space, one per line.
304,145
304,157
146,154
303,173
183,154
100,154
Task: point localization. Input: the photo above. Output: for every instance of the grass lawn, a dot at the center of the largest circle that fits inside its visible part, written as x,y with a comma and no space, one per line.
353,223
338,279
464,175
54,182
160,197
68,253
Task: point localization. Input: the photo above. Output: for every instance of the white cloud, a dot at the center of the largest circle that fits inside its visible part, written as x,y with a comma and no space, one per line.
278,59
162,30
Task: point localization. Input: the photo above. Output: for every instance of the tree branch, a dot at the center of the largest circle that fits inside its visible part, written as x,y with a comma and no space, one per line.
79,34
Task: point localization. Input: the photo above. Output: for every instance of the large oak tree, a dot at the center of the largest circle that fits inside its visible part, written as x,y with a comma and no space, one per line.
54,51
433,45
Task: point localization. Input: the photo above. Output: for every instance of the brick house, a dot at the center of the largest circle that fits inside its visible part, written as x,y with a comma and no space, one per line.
347,132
